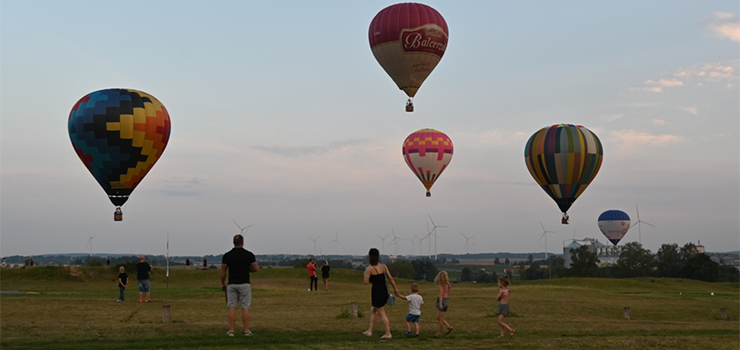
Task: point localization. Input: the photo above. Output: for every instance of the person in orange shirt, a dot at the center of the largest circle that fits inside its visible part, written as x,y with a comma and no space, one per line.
314,282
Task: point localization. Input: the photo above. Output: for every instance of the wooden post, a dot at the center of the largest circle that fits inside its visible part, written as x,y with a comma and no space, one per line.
353,309
626,312
165,313
723,313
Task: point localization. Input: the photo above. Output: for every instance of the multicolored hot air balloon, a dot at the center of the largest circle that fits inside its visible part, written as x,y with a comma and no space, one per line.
427,152
408,40
563,159
119,134
614,224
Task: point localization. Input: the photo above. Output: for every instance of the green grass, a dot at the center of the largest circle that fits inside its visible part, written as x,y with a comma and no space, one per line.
79,312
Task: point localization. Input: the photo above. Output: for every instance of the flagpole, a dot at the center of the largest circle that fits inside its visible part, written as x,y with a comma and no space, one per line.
168,260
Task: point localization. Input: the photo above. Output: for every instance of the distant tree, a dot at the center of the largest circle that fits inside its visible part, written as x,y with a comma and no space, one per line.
534,272
635,261
496,261
506,262
454,261
484,277
700,267
530,259
669,261
584,263
402,269
687,251
424,270
728,273
466,275
557,267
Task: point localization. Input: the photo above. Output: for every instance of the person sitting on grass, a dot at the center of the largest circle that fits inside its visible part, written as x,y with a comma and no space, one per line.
415,302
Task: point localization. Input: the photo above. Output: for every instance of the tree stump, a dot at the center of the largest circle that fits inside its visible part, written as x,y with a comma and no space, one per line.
626,313
353,309
165,313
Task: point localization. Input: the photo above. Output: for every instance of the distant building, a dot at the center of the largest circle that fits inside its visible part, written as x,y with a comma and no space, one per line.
607,253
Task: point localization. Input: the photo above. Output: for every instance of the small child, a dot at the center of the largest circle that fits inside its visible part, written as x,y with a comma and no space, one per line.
443,282
415,302
122,283
503,304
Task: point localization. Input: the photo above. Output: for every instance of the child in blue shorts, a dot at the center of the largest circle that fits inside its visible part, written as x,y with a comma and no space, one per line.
415,302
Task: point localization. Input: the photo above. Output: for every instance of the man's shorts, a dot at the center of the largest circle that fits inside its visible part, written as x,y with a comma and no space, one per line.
412,318
241,293
144,285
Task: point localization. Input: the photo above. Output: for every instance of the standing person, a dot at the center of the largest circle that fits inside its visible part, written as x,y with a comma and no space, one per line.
442,304
375,274
3,263
143,269
205,263
239,262
415,302
503,304
122,283
31,261
313,282
325,274
107,262
187,263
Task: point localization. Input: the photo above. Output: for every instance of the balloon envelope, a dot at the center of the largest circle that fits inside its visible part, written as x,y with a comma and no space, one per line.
119,134
427,152
408,40
614,224
563,159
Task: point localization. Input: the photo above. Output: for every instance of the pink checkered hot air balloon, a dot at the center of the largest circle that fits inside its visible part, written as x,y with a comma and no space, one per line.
408,40
427,152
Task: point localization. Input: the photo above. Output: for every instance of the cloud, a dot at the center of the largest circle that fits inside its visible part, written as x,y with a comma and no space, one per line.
296,151
723,25
691,110
696,75
657,122
631,141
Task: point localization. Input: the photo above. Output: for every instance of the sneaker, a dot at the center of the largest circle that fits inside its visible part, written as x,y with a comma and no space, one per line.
309,289
147,301
141,301
408,334
230,333
119,300
248,333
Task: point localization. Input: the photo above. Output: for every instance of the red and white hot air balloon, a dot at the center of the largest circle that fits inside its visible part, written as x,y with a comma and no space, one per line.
427,152
408,40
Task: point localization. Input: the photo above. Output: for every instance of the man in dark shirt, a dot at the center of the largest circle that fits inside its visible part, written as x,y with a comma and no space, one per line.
142,276
239,262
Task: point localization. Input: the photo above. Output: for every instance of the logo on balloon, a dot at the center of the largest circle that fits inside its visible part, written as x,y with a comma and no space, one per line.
429,38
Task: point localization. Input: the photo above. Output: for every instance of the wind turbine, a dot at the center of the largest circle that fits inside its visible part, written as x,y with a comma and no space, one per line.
412,244
467,250
394,241
314,243
435,235
383,239
89,242
639,224
429,242
336,243
544,234
243,230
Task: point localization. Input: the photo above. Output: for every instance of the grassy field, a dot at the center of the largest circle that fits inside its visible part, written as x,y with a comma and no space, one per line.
79,311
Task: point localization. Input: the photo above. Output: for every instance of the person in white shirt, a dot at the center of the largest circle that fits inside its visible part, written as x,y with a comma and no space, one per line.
415,302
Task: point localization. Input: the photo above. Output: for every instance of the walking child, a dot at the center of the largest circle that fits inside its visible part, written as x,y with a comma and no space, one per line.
122,283
442,304
415,302
503,305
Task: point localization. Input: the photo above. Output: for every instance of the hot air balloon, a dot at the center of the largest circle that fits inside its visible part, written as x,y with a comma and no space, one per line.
614,224
408,40
563,159
427,152
119,134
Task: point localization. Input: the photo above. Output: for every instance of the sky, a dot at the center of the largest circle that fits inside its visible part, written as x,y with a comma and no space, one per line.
282,119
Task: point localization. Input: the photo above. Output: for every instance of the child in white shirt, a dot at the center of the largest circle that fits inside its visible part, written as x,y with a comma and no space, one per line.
415,302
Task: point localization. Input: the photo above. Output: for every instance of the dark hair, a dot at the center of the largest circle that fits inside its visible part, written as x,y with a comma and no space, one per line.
238,240
374,255
504,280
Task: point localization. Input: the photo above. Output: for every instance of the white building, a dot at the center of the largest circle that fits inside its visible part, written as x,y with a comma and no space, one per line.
607,253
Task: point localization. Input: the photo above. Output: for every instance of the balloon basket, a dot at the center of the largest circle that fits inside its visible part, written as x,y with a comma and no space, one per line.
409,106
117,217
565,220
429,194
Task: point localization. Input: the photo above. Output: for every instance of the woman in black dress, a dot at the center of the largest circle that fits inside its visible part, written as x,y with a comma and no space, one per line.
325,274
375,274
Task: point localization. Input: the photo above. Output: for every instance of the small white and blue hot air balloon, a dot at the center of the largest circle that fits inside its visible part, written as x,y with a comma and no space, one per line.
614,224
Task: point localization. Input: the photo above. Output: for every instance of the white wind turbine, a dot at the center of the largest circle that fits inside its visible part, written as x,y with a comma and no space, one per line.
89,242
428,237
243,230
382,238
336,243
467,246
639,224
544,234
314,243
416,237
435,235
394,241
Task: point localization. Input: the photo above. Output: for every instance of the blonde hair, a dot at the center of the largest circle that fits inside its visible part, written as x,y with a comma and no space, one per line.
121,268
442,279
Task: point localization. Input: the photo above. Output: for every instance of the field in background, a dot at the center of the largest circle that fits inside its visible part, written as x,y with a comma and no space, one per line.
76,309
